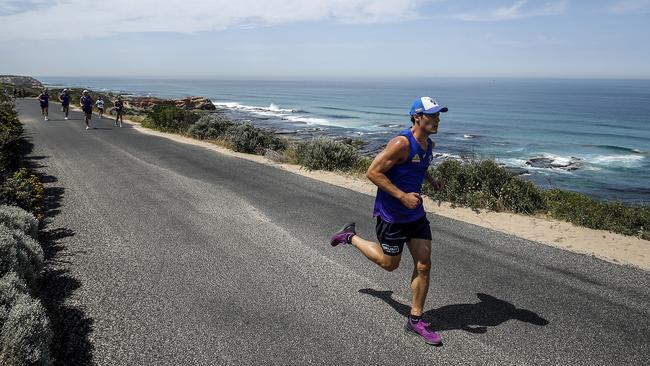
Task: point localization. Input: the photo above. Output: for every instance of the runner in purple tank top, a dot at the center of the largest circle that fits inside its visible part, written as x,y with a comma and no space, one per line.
399,172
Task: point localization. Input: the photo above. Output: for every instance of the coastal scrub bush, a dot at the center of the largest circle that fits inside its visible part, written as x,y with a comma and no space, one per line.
484,184
210,127
11,286
26,334
16,218
169,118
24,190
324,154
363,164
21,254
520,196
583,210
247,138
10,134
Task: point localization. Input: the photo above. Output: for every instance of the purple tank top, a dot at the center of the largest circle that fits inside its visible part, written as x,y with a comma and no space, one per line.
407,176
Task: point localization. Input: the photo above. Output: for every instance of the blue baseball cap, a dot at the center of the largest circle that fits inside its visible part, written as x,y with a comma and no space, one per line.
426,105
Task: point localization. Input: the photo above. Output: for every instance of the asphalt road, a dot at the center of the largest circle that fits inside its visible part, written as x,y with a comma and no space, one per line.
162,253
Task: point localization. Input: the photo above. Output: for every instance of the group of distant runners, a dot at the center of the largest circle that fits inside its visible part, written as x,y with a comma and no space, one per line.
85,101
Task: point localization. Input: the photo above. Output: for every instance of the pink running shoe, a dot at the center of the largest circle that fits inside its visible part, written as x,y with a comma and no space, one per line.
421,328
344,236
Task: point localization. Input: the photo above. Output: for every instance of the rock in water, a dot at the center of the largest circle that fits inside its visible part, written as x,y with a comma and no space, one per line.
550,163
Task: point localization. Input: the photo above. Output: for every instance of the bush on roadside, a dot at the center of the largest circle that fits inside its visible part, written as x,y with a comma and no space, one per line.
16,218
10,136
324,154
169,118
484,184
11,286
521,196
210,127
583,210
247,138
26,334
21,254
24,190
363,164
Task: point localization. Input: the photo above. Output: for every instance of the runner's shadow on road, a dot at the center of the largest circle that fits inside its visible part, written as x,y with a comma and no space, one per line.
472,318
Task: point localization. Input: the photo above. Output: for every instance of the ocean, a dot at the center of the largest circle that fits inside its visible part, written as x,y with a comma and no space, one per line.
590,136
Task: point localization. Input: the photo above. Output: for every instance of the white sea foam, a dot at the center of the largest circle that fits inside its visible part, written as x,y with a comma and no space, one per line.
275,108
514,162
274,111
622,161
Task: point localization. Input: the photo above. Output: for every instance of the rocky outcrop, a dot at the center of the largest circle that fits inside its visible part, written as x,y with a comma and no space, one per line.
21,81
189,103
550,163
201,103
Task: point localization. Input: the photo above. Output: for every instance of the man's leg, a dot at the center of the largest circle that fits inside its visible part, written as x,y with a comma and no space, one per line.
421,252
374,252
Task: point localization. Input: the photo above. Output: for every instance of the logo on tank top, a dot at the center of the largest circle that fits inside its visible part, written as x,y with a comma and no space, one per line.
416,159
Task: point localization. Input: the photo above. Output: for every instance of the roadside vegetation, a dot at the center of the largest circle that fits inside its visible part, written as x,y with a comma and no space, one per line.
25,331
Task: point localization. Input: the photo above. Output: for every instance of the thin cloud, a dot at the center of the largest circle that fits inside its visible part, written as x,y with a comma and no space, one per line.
72,19
630,7
518,10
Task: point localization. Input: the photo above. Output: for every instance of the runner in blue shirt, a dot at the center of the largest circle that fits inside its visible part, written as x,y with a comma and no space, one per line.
399,172
119,110
64,97
44,100
86,103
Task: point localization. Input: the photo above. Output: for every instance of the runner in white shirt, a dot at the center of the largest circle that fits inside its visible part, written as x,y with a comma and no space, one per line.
100,106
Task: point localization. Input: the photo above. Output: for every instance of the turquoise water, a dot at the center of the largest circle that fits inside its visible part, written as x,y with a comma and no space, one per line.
594,135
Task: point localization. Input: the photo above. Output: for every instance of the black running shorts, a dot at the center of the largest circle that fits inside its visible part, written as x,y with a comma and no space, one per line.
393,236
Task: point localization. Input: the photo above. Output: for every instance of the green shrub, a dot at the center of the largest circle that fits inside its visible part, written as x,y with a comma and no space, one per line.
480,199
21,254
583,210
494,177
11,286
521,196
24,190
16,218
324,154
10,136
253,140
363,164
26,334
484,184
210,127
169,118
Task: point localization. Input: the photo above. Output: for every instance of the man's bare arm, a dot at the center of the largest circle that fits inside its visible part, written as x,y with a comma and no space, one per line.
395,152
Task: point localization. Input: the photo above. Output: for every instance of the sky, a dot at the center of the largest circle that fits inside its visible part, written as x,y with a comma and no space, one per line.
315,39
